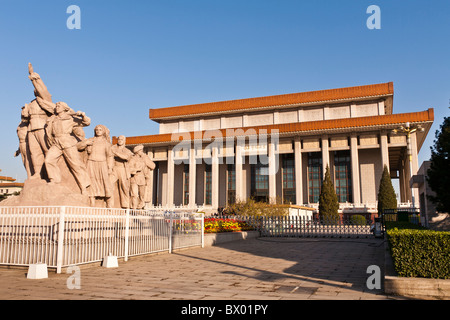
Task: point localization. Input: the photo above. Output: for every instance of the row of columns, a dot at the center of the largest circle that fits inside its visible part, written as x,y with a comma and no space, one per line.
273,167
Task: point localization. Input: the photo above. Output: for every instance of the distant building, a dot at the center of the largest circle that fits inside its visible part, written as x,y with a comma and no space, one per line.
419,181
8,186
277,147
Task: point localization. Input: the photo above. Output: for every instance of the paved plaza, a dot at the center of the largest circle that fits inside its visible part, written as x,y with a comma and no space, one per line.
255,269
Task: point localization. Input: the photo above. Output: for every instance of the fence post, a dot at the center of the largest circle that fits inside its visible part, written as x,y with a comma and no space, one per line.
127,231
60,249
203,230
267,226
170,231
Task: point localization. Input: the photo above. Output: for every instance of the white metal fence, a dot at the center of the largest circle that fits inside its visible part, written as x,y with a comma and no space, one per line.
65,236
303,226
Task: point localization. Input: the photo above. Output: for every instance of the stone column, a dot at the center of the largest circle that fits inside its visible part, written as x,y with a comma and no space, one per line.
414,167
170,177
355,169
402,183
192,176
298,172
215,177
273,168
239,173
384,150
325,154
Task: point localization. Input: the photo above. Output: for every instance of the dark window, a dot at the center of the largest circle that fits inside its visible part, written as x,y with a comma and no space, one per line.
260,182
288,174
208,185
186,185
231,184
314,176
343,176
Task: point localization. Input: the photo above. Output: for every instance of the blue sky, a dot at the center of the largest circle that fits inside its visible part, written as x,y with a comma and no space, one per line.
130,56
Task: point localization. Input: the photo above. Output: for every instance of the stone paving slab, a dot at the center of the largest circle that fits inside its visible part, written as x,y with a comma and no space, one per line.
254,269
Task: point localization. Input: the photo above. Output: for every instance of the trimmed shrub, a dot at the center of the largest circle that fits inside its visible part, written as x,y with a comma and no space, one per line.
402,225
419,253
358,220
253,208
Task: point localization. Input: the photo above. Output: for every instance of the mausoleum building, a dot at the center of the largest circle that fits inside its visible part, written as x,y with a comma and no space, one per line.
277,148
8,185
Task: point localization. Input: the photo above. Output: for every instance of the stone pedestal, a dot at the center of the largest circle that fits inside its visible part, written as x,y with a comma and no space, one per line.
37,192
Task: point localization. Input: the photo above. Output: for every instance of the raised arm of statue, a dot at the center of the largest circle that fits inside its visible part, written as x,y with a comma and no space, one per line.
86,121
46,105
39,86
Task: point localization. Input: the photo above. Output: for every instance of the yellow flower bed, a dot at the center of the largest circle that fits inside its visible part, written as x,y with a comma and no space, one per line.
215,225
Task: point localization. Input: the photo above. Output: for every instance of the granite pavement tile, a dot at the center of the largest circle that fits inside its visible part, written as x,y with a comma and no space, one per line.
254,269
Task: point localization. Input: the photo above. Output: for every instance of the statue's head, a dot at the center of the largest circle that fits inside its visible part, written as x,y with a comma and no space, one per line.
121,140
61,107
138,149
101,131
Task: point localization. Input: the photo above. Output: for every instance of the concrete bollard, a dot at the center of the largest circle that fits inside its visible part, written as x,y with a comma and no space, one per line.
37,271
110,262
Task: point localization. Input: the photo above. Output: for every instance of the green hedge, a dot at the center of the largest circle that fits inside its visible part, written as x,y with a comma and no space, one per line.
403,225
358,220
420,253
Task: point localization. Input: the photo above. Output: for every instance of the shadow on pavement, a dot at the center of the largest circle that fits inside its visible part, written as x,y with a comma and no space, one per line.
310,263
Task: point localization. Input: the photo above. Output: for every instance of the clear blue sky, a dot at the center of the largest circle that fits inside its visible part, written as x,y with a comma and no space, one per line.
130,56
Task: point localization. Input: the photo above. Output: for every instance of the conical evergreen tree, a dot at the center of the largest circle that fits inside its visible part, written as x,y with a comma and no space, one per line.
386,193
328,200
439,172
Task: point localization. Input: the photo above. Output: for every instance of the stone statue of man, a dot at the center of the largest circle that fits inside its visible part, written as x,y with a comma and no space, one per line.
61,133
38,112
122,174
23,150
141,168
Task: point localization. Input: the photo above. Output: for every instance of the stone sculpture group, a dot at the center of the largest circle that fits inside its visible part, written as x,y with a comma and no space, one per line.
64,167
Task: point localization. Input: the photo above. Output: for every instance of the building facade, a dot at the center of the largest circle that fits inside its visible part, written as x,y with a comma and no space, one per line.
277,148
427,207
8,186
